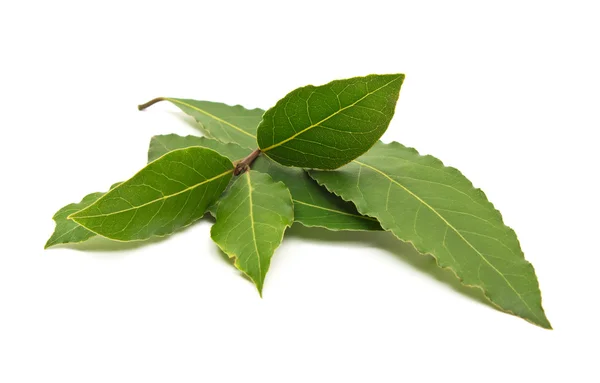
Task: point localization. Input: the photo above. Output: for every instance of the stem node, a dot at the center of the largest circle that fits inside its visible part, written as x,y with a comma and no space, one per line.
244,165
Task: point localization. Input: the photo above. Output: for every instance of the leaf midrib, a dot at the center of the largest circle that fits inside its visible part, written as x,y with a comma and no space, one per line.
251,203
75,218
335,211
328,117
451,227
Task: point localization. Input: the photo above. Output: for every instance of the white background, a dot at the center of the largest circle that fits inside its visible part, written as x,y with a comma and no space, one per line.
508,92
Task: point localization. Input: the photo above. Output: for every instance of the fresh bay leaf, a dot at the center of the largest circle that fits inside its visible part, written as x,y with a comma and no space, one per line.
69,231
222,122
313,205
439,211
327,126
251,219
171,192
162,144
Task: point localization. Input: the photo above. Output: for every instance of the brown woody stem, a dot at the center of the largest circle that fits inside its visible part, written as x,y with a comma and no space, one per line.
151,102
243,165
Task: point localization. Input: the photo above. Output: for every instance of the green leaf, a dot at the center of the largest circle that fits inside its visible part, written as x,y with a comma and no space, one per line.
169,193
69,231
223,122
313,205
162,144
438,210
325,127
251,220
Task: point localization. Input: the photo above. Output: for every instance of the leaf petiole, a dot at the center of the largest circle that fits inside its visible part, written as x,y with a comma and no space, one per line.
151,102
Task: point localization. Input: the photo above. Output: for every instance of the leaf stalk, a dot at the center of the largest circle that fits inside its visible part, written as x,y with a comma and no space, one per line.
151,102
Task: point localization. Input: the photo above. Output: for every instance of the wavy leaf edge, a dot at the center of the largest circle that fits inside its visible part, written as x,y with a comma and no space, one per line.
362,210
234,256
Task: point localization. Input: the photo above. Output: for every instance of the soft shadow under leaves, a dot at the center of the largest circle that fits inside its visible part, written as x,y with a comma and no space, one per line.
400,250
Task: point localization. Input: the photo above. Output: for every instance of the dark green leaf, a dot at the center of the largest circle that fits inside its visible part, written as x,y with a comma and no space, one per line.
325,127
169,193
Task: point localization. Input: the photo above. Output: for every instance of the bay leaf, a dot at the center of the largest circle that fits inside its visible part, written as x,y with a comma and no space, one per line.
439,211
314,206
171,192
226,123
163,144
251,219
327,126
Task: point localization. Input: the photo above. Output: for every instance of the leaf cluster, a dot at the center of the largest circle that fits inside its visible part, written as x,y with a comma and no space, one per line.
314,158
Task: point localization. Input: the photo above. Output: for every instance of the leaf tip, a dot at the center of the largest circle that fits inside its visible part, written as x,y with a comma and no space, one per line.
545,323
259,286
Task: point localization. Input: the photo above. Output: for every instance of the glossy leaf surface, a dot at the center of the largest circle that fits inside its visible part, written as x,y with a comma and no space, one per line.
169,193
327,126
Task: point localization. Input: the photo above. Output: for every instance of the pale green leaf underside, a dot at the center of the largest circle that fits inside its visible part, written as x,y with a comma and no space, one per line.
313,205
438,210
223,122
169,193
69,231
162,144
327,126
251,219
